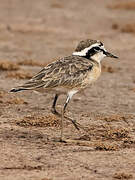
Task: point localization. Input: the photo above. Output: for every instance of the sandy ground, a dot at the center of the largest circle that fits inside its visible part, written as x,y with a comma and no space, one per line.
33,33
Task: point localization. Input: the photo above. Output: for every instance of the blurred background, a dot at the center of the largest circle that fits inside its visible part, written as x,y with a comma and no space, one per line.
36,32
45,29
33,33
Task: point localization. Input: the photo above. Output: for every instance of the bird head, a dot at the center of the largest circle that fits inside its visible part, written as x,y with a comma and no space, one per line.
92,49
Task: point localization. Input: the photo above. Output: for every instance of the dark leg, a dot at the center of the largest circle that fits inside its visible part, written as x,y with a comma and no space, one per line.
62,115
53,109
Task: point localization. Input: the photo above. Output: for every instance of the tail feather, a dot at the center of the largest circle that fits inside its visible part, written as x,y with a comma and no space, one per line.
17,89
29,85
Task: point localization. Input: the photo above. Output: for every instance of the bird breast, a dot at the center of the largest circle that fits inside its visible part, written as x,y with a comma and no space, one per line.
92,75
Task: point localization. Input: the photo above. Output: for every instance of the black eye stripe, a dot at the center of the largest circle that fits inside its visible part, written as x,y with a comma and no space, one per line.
97,48
93,51
103,51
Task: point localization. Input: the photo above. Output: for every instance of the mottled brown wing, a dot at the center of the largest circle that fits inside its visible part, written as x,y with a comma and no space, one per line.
67,72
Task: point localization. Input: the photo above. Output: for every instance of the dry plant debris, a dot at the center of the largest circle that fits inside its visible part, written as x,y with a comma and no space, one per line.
19,74
27,167
122,175
115,117
115,26
16,100
7,99
115,133
28,28
84,138
8,66
132,89
128,28
2,93
46,179
107,68
31,62
106,146
39,121
128,143
56,5
123,5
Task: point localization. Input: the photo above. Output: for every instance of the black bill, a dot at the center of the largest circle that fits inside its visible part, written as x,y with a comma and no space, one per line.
110,55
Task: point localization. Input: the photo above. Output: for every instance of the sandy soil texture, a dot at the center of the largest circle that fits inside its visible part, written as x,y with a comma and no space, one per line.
36,32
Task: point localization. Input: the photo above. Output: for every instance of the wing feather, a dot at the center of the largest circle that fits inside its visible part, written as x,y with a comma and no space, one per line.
66,72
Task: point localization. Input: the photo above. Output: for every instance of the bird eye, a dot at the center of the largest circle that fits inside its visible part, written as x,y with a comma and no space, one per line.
101,44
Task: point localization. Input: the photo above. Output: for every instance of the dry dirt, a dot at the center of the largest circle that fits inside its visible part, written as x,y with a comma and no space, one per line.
34,33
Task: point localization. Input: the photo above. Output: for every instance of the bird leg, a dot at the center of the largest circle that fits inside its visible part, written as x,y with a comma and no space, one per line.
76,125
55,112
62,116
53,109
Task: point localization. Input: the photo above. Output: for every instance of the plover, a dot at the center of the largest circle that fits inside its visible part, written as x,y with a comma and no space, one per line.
70,74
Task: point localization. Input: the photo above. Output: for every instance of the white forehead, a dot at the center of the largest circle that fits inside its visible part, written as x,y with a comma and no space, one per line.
83,52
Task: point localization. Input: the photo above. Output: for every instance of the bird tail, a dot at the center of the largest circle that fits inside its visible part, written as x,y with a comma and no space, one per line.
29,85
17,89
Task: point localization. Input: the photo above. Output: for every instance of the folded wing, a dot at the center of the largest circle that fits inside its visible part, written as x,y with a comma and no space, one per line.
67,72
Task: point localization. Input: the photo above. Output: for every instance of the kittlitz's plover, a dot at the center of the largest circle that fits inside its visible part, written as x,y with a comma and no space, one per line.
70,74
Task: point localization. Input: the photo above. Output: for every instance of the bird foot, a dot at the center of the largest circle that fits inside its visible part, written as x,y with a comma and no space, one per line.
60,140
63,140
53,110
